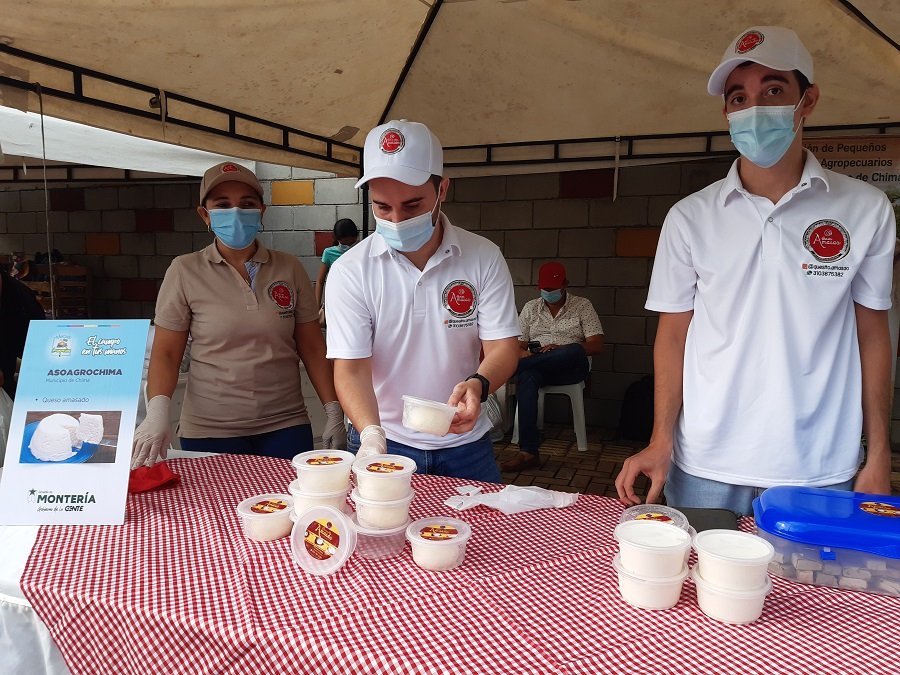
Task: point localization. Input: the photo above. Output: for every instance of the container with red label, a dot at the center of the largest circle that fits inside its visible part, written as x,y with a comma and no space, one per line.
266,517
438,544
322,539
323,470
384,477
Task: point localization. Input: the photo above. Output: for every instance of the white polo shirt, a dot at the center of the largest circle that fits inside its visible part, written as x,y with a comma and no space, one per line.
772,377
422,330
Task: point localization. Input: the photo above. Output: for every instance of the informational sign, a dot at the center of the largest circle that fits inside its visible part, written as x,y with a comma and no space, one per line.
871,159
68,454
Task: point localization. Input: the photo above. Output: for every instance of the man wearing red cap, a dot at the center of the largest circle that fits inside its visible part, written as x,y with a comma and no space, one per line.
559,332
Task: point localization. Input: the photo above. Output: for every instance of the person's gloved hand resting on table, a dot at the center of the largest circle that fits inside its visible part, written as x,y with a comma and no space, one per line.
372,441
334,436
153,435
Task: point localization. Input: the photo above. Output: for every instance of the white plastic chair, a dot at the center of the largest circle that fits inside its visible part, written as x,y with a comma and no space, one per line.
575,392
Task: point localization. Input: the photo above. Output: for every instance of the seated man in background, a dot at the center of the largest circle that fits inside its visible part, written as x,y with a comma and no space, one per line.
559,332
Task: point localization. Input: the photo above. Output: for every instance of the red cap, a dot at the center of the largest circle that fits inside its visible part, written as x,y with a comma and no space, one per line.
551,276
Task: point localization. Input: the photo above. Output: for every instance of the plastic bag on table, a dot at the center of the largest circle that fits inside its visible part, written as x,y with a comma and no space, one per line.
512,499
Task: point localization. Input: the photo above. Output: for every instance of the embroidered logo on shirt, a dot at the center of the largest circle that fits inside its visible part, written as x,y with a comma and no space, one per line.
749,41
281,294
459,298
827,240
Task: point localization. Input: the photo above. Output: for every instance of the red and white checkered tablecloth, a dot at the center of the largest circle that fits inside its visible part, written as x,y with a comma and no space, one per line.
179,589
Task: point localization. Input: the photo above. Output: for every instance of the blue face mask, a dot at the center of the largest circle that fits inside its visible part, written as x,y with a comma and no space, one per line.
343,248
410,234
763,134
235,228
552,296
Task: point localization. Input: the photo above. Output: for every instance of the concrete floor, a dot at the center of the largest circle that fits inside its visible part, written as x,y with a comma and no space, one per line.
594,471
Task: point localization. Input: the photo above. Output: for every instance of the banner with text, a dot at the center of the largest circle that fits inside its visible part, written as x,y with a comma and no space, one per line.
68,454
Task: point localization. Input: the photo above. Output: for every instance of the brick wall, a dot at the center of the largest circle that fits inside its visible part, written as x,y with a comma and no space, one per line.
128,235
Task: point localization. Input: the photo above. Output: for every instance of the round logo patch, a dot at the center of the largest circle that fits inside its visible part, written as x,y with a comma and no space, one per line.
749,41
391,142
229,167
281,294
459,298
827,240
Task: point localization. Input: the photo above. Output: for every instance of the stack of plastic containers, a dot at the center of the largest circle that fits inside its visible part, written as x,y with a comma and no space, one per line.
654,545
382,497
731,574
323,479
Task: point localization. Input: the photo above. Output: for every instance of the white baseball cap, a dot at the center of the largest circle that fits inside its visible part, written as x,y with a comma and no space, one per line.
402,150
770,46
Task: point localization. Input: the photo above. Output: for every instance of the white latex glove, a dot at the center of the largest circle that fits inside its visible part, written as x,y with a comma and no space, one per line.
334,436
372,441
153,435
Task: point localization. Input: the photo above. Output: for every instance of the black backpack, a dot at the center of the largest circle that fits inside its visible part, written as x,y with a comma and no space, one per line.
636,419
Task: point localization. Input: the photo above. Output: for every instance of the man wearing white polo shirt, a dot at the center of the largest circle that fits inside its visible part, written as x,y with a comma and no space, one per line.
772,355
411,309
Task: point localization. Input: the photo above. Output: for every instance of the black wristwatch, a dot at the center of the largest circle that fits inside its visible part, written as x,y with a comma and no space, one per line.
485,385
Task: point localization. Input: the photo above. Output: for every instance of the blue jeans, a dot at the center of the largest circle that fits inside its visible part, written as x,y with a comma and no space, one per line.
283,443
684,489
566,365
471,461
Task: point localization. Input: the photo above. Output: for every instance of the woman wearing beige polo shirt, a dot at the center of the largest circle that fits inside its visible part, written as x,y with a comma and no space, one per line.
252,317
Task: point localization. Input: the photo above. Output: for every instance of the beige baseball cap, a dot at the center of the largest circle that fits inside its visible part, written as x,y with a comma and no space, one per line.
402,150
770,46
228,171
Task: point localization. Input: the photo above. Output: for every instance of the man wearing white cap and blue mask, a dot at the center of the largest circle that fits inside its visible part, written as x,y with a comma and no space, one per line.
772,355
411,309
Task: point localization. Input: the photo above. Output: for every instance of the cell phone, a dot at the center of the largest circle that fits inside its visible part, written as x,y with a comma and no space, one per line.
710,519
534,346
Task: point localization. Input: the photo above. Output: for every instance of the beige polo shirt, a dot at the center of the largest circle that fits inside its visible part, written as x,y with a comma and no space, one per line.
245,370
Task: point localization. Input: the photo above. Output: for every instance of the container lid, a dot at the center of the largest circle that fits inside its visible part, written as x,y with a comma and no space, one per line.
437,405
321,459
652,535
741,548
265,505
402,501
736,594
322,540
831,518
384,466
650,581
657,512
375,532
294,489
439,531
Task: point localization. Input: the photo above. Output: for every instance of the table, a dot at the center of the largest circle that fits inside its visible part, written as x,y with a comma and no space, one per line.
178,589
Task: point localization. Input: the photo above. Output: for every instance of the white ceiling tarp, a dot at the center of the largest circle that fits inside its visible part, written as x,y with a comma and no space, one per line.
64,141
479,72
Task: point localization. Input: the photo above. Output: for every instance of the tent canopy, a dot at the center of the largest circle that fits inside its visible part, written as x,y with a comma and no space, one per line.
301,82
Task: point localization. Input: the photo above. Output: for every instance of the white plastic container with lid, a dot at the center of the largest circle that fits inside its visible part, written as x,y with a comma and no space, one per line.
322,539
304,500
323,470
381,515
378,544
384,477
266,517
428,417
733,560
438,544
730,605
650,549
661,593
